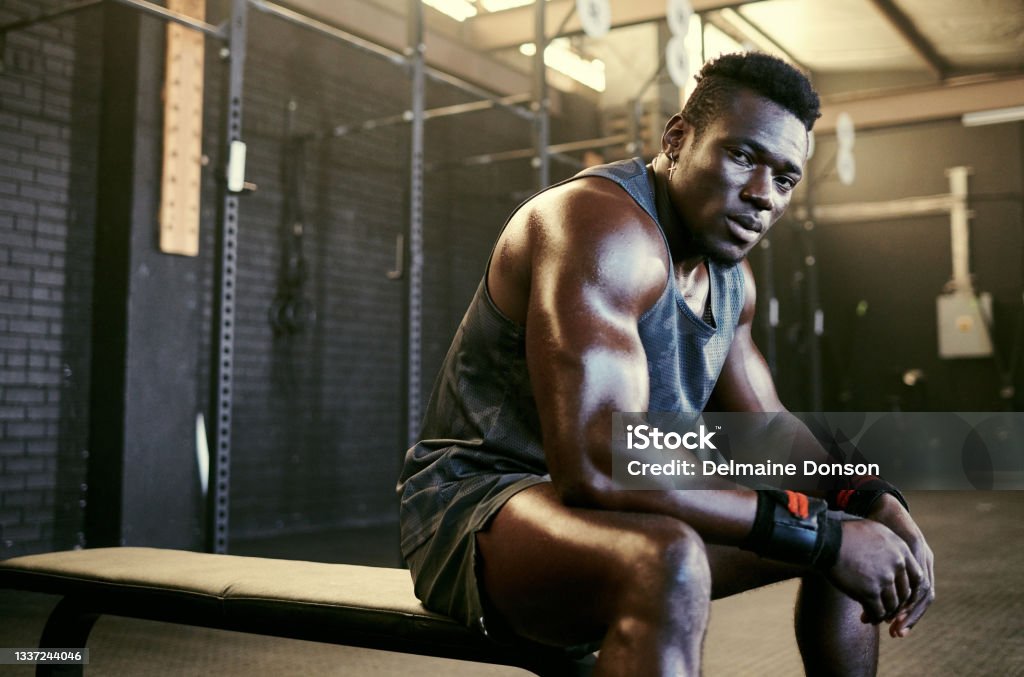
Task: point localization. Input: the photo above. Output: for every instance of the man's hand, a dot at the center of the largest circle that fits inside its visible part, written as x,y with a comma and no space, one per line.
877,569
890,512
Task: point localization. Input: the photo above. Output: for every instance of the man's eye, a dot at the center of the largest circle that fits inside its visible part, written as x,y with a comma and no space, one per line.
739,156
785,183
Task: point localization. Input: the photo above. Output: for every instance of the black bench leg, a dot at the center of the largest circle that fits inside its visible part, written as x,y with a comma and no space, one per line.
566,667
67,627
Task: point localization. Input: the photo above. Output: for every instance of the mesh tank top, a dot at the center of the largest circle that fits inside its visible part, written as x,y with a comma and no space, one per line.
481,431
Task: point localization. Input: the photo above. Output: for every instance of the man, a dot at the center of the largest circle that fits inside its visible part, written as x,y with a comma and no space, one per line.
625,289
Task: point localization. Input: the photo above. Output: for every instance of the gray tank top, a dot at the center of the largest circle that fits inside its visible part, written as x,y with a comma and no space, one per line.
481,432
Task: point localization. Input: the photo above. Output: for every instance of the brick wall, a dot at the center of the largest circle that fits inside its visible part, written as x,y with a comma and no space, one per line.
318,435
48,104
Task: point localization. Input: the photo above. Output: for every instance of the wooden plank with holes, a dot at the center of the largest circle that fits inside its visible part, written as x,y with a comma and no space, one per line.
183,130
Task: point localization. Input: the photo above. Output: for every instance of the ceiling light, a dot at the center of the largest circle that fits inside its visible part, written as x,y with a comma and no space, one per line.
560,57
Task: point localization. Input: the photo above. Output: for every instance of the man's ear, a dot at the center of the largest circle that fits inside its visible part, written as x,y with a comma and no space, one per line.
675,133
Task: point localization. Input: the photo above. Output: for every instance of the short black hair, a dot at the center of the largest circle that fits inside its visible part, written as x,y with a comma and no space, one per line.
761,73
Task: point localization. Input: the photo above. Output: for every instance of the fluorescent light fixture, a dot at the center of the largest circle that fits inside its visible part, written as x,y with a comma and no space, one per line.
460,10
993,117
560,57
717,43
499,5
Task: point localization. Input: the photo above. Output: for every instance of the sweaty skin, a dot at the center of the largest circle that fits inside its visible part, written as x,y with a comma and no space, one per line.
578,266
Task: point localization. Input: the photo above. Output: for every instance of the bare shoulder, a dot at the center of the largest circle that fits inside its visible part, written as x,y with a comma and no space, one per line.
585,233
592,211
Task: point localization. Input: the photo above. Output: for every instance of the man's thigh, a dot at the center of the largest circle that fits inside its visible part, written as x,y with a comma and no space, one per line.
554,573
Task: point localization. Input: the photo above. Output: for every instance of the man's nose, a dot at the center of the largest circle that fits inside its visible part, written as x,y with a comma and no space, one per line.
758,189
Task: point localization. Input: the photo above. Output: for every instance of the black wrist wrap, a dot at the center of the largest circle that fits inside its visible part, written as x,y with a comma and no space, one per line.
792,527
861,494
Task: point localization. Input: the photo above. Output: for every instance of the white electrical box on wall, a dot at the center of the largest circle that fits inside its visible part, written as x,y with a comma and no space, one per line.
964,322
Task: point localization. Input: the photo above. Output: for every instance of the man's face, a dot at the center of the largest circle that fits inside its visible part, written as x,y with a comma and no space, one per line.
734,182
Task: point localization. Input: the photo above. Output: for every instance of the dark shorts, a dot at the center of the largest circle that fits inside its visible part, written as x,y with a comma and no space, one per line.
445,568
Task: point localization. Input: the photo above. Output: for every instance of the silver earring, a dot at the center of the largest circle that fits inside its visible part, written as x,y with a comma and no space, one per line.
671,167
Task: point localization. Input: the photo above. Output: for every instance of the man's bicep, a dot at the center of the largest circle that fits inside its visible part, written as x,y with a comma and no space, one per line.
586,362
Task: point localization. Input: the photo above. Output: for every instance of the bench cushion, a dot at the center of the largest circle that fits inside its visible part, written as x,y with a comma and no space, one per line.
222,577
337,603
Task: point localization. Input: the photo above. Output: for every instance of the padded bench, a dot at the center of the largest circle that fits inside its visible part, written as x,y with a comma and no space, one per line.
343,604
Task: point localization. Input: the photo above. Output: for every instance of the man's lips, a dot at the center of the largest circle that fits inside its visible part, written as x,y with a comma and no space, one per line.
745,227
748,221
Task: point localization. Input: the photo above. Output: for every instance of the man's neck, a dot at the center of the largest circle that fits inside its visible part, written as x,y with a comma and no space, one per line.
687,263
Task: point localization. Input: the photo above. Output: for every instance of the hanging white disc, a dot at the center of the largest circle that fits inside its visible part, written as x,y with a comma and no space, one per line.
846,167
844,130
677,61
678,13
595,17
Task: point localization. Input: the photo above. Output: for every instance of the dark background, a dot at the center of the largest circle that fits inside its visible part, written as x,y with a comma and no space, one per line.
317,421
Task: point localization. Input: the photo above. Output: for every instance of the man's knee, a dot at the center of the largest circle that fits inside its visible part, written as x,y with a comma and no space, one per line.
819,597
669,562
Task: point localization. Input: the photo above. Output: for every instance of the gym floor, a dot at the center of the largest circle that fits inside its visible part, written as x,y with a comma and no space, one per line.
974,628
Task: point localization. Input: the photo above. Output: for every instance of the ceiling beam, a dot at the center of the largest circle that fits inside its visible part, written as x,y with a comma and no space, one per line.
907,29
513,27
743,31
445,53
946,100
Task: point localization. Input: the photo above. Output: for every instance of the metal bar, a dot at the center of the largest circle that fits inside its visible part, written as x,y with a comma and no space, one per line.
814,316
587,144
513,27
542,122
458,83
558,149
383,52
166,14
331,31
636,127
769,320
429,114
959,223
908,30
49,15
487,104
414,334
859,212
226,258
938,101
565,22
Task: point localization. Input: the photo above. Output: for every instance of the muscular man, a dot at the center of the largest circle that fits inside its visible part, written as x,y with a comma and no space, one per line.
625,289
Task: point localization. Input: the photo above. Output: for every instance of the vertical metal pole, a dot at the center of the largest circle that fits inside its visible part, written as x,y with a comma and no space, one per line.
541,123
224,300
415,290
815,316
771,318
636,113
959,223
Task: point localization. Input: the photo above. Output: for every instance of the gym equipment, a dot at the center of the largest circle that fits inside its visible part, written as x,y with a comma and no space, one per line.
343,604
